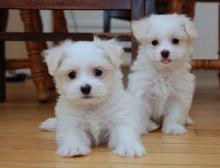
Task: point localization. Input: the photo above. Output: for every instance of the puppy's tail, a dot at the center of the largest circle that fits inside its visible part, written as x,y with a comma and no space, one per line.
49,124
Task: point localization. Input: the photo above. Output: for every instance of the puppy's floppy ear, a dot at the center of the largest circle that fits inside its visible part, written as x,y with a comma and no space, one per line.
113,50
189,27
140,28
54,56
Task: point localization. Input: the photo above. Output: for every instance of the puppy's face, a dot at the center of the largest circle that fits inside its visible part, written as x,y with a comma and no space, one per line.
167,38
84,71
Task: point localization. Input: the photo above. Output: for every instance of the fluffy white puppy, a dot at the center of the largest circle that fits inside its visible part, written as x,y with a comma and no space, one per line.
161,74
93,106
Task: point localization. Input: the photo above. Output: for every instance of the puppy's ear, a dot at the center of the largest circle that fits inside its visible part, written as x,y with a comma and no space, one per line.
140,28
189,27
53,59
112,49
54,56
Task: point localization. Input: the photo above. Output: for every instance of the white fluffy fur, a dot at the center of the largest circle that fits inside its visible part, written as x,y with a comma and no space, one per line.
108,116
166,89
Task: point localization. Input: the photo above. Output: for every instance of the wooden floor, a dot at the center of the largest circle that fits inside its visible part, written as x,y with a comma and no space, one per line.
23,145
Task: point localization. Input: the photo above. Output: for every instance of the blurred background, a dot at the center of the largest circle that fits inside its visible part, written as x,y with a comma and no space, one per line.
206,21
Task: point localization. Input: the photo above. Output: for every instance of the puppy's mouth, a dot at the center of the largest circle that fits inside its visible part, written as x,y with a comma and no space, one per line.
166,61
87,97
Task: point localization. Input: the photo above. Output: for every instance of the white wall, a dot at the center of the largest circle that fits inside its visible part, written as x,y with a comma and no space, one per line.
206,20
15,49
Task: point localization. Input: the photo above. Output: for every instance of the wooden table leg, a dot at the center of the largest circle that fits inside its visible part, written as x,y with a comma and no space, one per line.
3,23
189,8
49,80
137,12
107,21
59,19
149,7
32,23
182,6
140,8
219,39
175,6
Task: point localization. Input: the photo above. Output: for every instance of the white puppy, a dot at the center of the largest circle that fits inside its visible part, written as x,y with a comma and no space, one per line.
93,106
161,74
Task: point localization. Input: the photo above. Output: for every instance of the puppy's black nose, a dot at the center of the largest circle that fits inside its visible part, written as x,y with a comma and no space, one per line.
85,89
165,53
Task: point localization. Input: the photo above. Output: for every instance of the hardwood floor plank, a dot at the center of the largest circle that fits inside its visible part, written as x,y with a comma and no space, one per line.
107,157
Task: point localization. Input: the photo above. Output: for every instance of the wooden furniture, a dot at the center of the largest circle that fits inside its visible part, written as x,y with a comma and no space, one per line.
58,20
138,9
219,39
3,22
125,14
32,23
155,6
188,7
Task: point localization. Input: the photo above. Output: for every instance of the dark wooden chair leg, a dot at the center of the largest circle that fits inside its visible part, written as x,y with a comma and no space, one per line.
175,6
137,5
219,40
59,19
149,7
3,23
189,8
182,6
107,21
32,23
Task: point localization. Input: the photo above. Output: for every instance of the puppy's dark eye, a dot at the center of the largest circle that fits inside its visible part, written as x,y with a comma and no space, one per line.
72,75
175,41
97,72
155,42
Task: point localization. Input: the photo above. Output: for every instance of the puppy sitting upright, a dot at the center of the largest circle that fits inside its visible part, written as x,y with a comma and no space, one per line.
93,106
161,74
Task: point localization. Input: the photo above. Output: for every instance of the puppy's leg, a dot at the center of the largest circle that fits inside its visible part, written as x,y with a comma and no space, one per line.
72,140
124,141
48,125
145,111
174,120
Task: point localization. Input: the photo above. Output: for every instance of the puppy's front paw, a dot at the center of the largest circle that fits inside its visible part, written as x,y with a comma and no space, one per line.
130,150
174,129
77,150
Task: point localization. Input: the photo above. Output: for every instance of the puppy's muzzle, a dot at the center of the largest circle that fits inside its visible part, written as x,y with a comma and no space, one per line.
86,89
165,54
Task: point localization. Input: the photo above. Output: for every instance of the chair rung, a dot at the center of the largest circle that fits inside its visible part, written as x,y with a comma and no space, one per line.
11,36
12,64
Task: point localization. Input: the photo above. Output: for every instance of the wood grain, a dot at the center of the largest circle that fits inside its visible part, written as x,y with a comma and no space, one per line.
66,4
